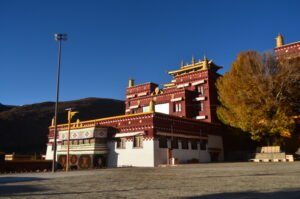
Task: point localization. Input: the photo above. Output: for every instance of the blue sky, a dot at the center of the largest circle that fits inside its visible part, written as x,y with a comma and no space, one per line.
110,41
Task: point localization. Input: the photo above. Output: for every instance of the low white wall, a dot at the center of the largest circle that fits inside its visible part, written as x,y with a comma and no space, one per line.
139,157
182,155
49,151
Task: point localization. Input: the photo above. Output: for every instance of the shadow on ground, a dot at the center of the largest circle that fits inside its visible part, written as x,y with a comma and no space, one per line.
7,188
285,193
13,179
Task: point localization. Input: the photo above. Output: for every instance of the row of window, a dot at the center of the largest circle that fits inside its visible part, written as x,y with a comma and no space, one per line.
137,142
84,141
163,143
177,106
198,107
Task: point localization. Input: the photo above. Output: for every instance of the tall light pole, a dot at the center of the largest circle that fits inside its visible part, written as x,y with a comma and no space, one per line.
57,37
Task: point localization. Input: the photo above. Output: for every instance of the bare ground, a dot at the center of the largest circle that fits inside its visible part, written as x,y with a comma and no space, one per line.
204,181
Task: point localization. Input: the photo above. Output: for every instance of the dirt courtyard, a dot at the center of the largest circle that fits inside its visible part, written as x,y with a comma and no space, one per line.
204,181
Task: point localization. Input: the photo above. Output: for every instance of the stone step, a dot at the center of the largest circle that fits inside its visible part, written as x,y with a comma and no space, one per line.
270,156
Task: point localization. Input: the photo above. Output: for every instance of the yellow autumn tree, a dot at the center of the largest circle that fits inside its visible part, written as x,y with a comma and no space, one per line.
260,94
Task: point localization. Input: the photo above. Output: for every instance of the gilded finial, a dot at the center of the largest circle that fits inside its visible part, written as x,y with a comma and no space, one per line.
193,60
205,62
279,40
181,64
151,106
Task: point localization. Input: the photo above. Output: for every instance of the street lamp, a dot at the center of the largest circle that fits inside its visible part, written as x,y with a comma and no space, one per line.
57,37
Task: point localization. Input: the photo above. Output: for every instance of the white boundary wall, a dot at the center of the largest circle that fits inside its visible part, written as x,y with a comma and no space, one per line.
49,151
150,155
130,156
181,155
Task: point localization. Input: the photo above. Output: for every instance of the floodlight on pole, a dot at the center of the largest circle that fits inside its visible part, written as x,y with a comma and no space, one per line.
57,37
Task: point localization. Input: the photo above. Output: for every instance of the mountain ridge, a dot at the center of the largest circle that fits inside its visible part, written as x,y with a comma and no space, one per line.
24,129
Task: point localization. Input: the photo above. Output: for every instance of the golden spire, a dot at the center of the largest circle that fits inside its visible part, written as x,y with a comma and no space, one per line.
279,40
181,64
193,60
205,62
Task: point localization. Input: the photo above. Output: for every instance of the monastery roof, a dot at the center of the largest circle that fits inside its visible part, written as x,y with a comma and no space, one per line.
107,118
204,64
87,123
289,44
142,84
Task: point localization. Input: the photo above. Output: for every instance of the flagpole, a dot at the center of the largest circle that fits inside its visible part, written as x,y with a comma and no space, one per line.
70,115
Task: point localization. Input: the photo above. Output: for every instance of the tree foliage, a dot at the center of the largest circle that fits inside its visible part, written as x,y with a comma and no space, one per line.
260,94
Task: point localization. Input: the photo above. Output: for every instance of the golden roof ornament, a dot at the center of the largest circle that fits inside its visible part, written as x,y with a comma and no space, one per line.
52,122
193,60
205,62
151,106
181,64
279,40
77,122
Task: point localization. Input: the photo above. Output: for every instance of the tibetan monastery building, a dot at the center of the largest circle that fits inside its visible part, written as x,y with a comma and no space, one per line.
176,121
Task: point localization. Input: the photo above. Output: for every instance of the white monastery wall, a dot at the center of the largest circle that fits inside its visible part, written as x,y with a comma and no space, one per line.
159,108
130,156
49,151
181,155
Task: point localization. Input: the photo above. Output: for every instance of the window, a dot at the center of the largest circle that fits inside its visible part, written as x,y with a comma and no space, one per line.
138,141
177,107
184,144
134,110
194,145
163,142
203,144
200,107
200,90
121,143
174,143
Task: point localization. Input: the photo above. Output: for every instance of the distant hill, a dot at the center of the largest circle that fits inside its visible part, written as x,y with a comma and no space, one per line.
24,129
5,107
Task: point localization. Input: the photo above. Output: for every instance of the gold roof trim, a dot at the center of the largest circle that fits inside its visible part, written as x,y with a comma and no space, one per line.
186,68
107,118
168,85
289,44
